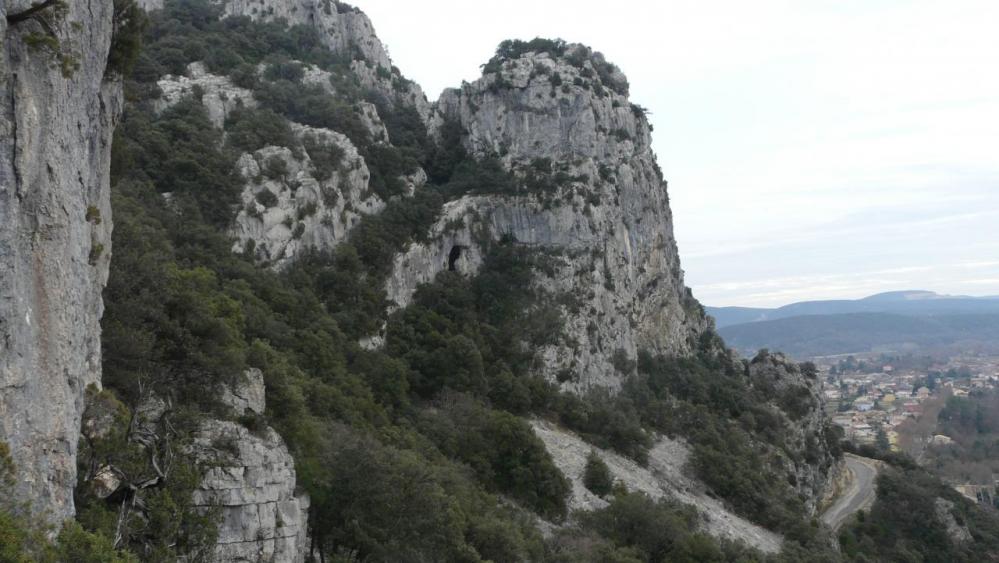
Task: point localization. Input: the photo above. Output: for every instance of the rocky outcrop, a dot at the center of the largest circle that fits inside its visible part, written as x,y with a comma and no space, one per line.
217,93
663,477
346,31
591,195
56,122
838,481
299,207
807,453
307,196
251,480
944,511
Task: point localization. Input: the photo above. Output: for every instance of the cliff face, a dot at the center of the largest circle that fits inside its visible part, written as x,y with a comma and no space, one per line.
252,482
55,224
593,198
588,195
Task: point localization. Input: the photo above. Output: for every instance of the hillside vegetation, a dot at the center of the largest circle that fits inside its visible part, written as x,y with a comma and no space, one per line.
419,449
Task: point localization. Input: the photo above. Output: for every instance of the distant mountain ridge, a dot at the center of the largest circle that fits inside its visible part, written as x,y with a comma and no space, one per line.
893,320
911,303
824,335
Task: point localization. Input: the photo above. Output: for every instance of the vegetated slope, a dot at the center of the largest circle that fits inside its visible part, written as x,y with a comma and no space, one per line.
818,335
917,303
916,517
409,427
438,410
973,456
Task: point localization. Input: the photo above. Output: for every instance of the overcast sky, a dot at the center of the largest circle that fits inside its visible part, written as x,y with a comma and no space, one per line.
813,148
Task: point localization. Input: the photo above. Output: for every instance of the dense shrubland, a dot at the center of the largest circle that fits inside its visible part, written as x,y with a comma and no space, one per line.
905,524
441,405
973,424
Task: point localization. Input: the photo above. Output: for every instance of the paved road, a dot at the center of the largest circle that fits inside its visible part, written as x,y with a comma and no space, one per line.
860,493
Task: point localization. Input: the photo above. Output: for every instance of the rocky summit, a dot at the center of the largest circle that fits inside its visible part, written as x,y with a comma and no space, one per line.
592,197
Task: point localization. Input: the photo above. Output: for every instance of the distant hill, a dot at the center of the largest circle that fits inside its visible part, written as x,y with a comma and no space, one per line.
910,303
819,335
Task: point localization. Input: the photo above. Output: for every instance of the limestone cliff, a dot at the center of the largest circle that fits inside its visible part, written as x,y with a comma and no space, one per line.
591,194
251,480
56,123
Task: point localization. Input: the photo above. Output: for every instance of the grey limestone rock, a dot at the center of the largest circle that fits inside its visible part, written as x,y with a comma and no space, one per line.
344,30
251,481
662,478
246,396
310,209
604,217
944,512
219,95
305,209
55,243
797,391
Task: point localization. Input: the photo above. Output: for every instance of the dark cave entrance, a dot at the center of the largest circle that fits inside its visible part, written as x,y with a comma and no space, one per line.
454,256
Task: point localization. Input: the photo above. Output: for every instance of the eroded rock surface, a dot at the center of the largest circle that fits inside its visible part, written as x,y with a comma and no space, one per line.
290,202
55,242
807,455
944,512
345,30
590,194
299,208
251,479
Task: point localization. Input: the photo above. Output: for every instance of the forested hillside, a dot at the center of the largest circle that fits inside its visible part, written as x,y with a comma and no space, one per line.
267,190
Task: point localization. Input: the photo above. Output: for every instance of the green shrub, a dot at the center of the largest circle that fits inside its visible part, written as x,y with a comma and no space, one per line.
514,49
276,168
284,69
129,23
251,129
597,476
503,451
661,531
326,157
266,198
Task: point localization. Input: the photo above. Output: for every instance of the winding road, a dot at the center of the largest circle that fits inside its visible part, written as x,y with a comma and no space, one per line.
859,495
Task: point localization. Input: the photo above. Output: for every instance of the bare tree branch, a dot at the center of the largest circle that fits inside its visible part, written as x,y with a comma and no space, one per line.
27,14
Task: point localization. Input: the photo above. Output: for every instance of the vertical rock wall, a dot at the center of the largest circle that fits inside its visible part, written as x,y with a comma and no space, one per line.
251,480
55,227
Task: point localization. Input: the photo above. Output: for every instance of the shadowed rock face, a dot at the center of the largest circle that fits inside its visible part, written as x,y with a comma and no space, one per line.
604,218
55,243
798,392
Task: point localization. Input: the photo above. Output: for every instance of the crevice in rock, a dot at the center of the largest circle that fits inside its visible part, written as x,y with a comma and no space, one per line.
454,256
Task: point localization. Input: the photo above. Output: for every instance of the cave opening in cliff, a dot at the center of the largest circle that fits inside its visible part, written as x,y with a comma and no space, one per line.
454,256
